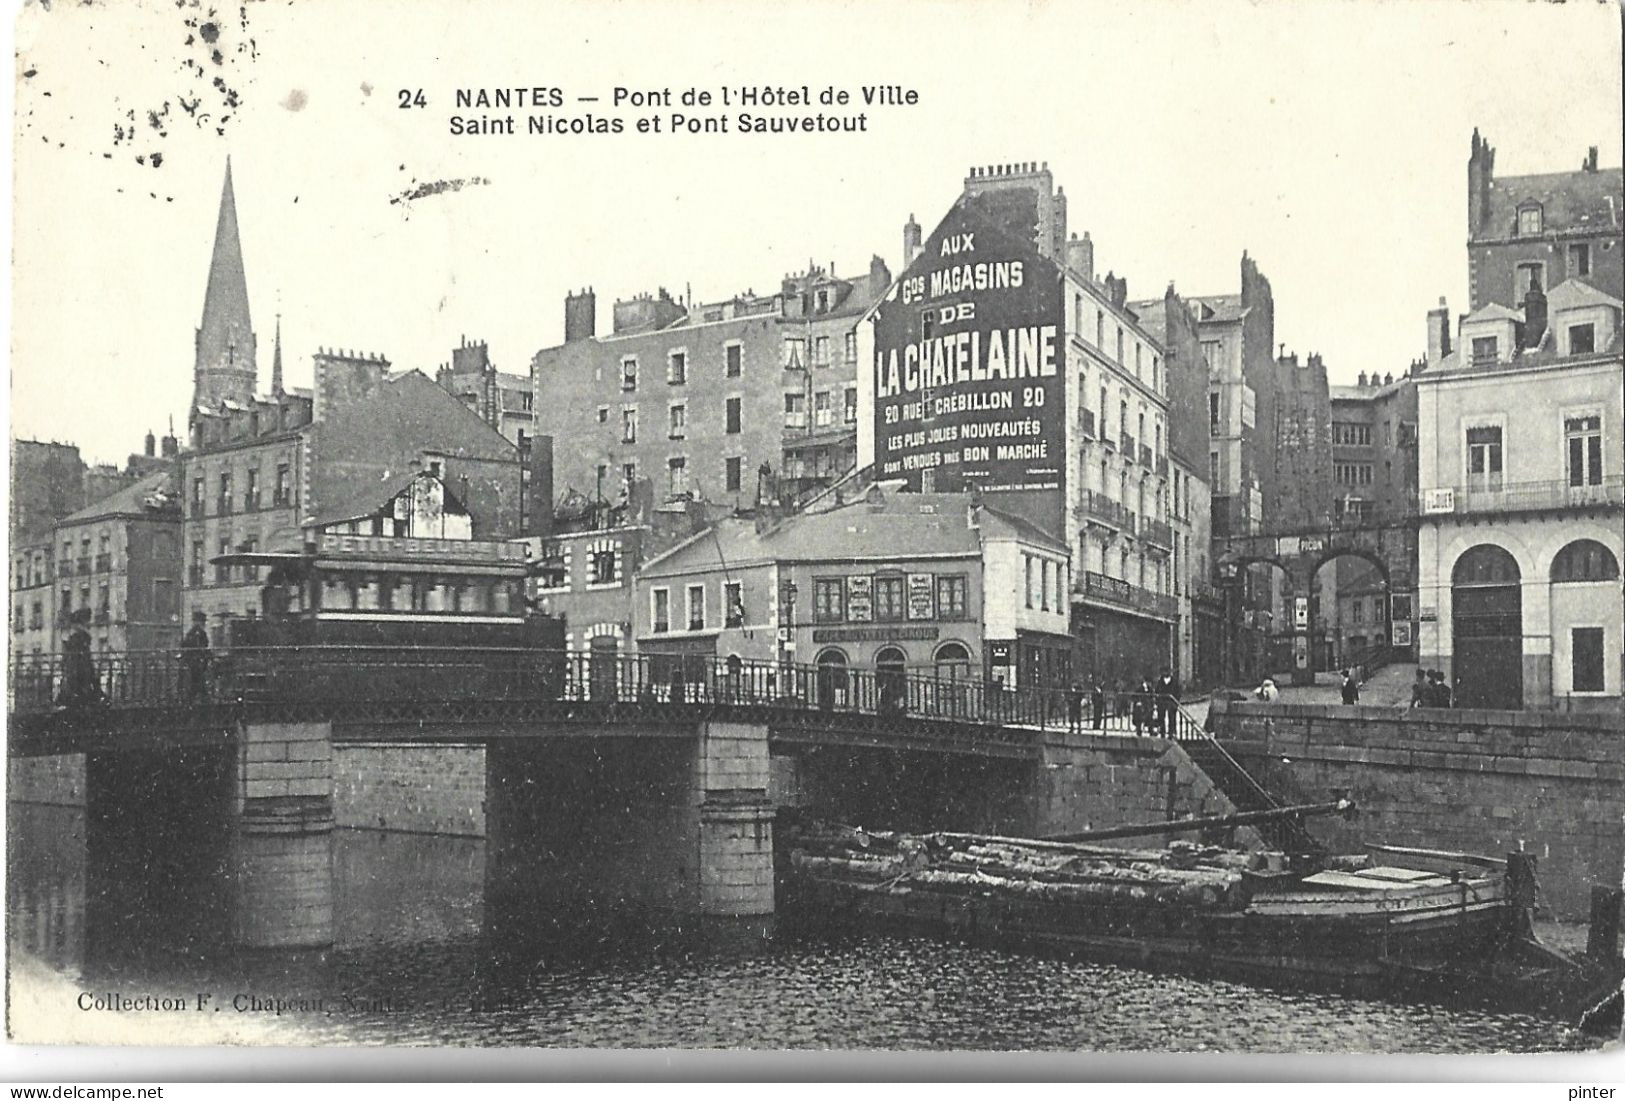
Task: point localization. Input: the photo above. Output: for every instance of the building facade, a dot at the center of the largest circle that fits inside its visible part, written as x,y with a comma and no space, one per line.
698,398
120,560
920,583
1523,504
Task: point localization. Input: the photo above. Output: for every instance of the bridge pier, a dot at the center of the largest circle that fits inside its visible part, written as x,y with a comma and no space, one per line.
678,823
282,836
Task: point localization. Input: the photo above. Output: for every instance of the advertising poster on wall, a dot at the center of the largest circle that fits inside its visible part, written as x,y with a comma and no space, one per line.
921,596
860,602
969,364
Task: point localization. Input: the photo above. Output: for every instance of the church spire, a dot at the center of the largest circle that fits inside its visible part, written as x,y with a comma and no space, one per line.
276,361
225,364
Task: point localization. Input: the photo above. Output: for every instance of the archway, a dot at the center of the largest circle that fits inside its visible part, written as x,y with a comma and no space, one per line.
1486,628
1586,619
890,681
832,678
953,670
1349,611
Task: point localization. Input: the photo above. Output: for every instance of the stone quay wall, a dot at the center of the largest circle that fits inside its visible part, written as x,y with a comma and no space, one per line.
1487,782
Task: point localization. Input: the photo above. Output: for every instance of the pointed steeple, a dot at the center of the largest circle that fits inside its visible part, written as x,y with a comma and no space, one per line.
225,364
276,361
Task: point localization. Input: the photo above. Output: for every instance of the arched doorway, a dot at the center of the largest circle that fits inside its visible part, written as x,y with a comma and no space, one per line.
832,679
1486,628
1586,619
890,685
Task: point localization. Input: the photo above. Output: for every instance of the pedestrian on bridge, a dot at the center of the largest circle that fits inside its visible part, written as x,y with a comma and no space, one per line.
1097,700
1074,707
80,684
1439,694
195,659
1141,707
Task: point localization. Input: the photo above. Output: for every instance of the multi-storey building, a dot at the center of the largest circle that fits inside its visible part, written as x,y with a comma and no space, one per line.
1523,503
1002,364
34,626
585,566
1199,638
699,398
1541,230
504,401
923,583
120,560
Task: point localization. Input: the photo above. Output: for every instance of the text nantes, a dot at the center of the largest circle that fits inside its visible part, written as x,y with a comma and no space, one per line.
1025,352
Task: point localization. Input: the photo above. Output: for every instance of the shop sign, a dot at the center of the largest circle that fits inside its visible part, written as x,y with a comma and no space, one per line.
860,598
922,603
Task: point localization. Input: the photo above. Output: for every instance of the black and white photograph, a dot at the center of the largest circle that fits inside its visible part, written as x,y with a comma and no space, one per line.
928,527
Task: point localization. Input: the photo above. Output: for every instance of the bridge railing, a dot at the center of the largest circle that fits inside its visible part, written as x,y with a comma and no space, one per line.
393,675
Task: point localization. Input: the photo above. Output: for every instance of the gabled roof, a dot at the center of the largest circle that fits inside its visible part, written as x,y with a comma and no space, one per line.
1217,307
998,523
1573,294
129,501
1493,311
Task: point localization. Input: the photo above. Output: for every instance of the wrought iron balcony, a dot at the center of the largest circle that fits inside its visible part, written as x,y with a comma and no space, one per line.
1511,497
1157,533
1110,590
84,564
1098,506
104,563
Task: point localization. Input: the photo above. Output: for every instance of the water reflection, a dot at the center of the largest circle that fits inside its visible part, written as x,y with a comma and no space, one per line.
420,958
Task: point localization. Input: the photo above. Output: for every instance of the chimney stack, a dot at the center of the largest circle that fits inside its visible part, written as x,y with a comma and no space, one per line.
580,316
151,445
1438,333
1362,383
1080,256
1590,164
1534,317
911,241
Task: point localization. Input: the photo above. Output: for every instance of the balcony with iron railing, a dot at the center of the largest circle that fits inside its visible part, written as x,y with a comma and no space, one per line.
104,562
1086,423
1158,533
1145,456
1098,506
1117,593
1204,591
1485,499
84,564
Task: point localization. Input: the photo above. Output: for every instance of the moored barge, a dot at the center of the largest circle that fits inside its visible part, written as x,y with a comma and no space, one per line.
1390,921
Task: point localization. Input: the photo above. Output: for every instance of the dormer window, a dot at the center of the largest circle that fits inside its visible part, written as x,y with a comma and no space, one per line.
1529,221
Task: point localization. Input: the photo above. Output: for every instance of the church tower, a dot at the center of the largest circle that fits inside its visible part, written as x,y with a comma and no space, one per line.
225,366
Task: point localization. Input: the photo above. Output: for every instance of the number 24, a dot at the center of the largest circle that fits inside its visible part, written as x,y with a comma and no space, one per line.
410,98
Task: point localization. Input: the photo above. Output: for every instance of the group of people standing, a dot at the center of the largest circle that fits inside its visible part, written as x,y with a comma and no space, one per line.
1151,705
1430,690
80,685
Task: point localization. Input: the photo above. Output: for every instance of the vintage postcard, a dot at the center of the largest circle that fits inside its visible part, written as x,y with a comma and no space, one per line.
939,526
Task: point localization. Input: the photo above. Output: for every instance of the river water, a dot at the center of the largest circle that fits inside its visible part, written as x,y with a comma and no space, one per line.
418,960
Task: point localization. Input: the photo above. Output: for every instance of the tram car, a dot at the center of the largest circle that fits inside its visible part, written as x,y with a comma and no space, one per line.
393,618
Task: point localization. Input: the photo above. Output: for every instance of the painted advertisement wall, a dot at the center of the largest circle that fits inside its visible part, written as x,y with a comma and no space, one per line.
968,371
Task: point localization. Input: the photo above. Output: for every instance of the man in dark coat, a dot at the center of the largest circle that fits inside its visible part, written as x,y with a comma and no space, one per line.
1439,692
80,685
195,659
1351,690
1074,707
1167,702
1097,700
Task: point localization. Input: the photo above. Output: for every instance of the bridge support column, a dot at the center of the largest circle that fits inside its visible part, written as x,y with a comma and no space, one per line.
282,845
735,820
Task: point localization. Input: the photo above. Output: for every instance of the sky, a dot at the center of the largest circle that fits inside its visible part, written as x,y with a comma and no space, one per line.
1327,139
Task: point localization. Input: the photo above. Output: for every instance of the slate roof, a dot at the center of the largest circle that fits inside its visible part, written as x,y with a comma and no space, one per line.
1569,201
1573,294
129,501
1223,307
1493,311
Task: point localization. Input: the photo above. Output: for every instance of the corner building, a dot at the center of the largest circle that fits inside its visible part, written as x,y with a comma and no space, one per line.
1003,366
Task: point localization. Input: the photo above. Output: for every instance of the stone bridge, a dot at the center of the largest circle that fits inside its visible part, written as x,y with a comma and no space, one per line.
643,780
